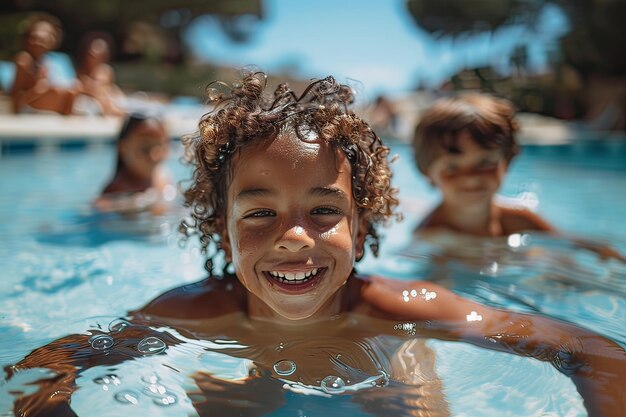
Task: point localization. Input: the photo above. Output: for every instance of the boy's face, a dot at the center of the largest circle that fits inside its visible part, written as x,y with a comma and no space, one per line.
471,177
292,228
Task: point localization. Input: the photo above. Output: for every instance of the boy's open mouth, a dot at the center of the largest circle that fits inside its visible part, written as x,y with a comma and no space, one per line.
294,277
294,281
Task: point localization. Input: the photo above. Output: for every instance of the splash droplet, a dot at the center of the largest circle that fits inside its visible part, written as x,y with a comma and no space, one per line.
285,367
333,385
151,346
127,397
101,342
118,325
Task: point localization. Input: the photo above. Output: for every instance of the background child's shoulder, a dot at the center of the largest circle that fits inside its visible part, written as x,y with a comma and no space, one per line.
209,298
519,219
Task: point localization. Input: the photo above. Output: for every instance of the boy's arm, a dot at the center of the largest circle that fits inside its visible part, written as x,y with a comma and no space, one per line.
595,364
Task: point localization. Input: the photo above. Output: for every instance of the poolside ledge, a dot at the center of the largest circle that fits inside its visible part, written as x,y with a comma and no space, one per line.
52,130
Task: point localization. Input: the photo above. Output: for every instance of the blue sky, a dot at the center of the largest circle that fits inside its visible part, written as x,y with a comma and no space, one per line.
374,42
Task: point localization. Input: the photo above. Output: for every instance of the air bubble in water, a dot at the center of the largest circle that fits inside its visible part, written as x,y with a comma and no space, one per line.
285,367
333,385
151,345
127,397
101,342
118,325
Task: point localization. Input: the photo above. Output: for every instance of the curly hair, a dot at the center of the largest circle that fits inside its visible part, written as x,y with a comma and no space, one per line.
246,113
490,121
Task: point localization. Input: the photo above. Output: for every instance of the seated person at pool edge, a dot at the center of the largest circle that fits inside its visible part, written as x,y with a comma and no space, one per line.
140,182
464,146
31,88
290,191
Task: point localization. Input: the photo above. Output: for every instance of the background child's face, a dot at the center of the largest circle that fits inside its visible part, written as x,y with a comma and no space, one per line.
146,146
98,52
470,177
41,38
292,225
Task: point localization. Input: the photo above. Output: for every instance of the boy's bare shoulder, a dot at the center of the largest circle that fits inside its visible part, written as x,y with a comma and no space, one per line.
209,298
519,219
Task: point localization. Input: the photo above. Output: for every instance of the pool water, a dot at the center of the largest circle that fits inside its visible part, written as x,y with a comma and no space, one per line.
67,270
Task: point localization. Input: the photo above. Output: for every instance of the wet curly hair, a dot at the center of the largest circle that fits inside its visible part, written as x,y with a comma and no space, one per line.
245,112
489,120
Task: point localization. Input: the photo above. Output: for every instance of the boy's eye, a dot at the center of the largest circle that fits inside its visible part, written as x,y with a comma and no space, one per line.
326,211
260,214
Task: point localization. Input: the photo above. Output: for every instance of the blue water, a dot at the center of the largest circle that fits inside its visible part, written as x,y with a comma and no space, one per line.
66,270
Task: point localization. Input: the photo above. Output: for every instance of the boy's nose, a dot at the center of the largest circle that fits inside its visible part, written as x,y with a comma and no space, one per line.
294,239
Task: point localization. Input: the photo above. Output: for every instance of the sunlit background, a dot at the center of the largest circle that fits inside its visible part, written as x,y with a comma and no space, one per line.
67,268
551,57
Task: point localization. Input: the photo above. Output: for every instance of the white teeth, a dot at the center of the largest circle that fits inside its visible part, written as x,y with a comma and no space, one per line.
294,277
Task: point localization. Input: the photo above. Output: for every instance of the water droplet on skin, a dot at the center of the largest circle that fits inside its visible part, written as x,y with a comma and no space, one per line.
285,367
127,397
101,342
333,385
118,325
151,346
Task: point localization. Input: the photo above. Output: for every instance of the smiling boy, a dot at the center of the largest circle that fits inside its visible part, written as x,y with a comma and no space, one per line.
290,189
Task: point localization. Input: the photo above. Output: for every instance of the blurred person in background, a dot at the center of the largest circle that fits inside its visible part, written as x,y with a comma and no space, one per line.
140,182
96,75
32,90
464,146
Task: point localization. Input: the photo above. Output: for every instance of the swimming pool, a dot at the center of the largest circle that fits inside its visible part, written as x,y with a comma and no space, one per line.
69,271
